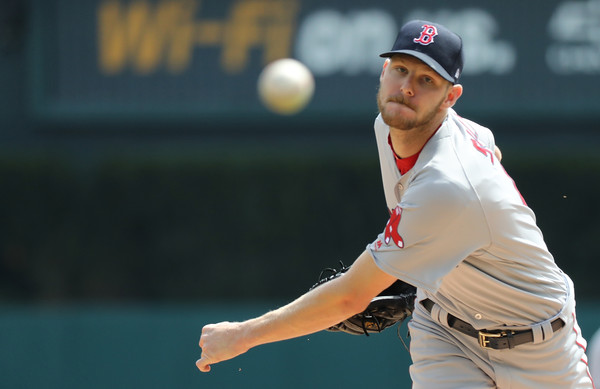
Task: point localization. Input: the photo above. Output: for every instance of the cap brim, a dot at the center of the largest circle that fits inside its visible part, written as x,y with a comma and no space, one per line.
425,58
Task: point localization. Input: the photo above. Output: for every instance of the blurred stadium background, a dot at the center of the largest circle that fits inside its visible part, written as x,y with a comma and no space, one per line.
146,192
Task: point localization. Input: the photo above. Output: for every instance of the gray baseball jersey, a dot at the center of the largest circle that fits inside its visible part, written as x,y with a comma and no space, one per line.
461,232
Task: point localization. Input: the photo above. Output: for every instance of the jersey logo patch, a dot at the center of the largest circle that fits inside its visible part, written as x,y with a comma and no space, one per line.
391,228
427,35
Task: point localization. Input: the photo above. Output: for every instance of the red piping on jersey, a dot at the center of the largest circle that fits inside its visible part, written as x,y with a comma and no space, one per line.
584,350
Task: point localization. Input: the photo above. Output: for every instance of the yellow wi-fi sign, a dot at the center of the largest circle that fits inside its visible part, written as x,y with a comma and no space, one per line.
144,36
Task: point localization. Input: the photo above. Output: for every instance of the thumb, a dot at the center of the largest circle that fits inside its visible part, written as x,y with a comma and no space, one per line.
202,365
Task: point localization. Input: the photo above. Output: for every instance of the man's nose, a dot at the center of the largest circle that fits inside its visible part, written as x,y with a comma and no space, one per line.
406,87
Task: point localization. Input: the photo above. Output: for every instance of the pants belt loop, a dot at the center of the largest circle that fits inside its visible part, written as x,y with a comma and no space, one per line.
439,315
547,329
538,333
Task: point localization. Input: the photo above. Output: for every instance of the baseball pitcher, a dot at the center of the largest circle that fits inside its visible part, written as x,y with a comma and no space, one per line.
492,308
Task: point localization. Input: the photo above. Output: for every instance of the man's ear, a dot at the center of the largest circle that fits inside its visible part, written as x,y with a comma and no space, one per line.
454,94
385,65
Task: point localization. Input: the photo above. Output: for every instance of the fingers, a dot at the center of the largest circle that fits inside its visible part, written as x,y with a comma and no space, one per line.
202,365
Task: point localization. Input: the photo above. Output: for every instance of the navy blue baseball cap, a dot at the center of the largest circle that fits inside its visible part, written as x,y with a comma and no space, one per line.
433,44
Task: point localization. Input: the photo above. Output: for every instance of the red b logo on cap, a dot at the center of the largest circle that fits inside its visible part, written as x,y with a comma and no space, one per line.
427,35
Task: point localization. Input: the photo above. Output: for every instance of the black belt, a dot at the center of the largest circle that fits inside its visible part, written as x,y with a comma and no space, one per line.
494,339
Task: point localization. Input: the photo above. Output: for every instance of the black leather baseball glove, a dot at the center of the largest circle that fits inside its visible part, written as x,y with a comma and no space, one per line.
391,306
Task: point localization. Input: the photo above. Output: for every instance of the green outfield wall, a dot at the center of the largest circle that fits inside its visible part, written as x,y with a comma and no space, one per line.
156,346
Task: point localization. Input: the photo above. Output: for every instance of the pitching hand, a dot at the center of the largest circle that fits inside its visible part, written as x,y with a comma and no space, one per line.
220,342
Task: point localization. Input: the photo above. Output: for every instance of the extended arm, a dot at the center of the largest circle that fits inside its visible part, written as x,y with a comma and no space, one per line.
314,311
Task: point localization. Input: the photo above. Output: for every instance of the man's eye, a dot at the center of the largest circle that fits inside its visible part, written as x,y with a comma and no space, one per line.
428,80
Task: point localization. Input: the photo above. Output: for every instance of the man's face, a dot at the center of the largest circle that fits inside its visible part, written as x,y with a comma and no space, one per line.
411,94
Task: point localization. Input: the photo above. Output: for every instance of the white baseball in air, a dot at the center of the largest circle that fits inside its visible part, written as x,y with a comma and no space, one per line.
285,86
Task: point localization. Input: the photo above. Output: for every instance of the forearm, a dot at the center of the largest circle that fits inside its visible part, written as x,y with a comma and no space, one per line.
319,309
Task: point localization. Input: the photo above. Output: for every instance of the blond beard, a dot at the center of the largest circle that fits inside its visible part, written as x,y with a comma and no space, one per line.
401,123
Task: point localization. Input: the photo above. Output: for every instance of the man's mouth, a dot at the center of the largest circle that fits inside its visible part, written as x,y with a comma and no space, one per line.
400,101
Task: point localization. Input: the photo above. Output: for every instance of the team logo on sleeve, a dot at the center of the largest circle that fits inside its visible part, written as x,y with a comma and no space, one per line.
391,229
